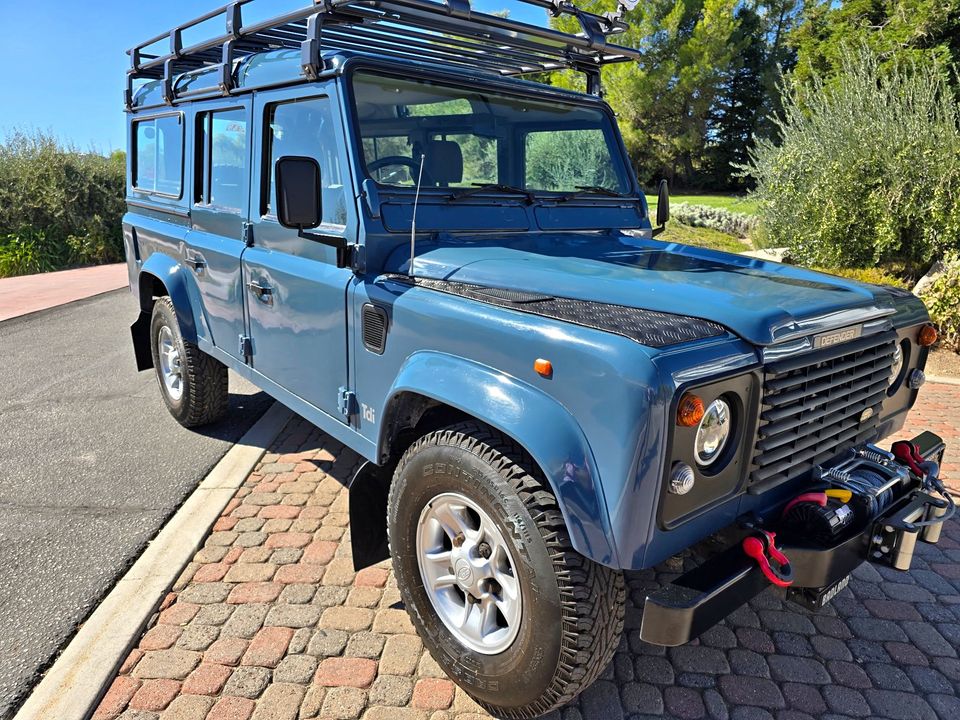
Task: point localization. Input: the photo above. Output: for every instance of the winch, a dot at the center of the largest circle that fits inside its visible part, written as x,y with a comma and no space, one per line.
870,504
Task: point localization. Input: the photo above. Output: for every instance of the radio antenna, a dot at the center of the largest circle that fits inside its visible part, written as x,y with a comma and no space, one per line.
413,221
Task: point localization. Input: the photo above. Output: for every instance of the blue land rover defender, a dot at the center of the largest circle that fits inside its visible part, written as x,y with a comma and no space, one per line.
365,209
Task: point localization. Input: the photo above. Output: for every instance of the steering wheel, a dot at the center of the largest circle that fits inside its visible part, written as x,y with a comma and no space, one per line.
410,163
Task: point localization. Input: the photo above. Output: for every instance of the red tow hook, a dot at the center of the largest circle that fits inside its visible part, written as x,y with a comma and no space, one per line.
909,454
758,547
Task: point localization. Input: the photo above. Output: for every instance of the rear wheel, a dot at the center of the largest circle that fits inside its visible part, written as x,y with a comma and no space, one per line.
193,384
506,606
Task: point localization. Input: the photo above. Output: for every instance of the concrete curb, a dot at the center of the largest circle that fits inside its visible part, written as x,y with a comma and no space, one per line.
74,685
943,380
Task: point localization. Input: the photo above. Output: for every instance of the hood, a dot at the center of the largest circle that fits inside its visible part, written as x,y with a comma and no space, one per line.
762,302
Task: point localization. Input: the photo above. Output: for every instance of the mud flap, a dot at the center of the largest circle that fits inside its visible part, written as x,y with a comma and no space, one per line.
140,334
368,515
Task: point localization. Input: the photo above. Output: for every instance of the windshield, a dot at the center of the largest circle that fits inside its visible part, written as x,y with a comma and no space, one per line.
473,138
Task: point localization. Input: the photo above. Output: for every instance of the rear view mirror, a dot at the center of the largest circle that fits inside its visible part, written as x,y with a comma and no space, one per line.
298,192
663,204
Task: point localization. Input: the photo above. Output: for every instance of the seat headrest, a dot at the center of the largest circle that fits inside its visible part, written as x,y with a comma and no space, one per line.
444,162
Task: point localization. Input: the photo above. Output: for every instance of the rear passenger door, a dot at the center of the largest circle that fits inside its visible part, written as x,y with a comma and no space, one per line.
221,200
296,294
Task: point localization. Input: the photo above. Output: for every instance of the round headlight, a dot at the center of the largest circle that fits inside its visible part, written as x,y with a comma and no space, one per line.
897,364
713,433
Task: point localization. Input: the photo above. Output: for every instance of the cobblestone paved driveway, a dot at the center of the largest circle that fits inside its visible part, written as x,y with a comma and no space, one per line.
270,621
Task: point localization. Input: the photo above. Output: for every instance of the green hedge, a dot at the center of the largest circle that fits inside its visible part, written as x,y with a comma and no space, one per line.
59,207
867,170
942,299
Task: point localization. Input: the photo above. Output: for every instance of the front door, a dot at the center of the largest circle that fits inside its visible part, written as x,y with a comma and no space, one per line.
295,293
214,245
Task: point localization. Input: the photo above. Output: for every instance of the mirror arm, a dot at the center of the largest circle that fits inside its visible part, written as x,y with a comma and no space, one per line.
344,251
657,230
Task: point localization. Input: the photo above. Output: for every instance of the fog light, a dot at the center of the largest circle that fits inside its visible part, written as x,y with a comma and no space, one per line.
916,379
681,479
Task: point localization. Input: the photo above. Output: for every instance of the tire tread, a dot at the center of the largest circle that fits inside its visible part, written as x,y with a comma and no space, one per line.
593,596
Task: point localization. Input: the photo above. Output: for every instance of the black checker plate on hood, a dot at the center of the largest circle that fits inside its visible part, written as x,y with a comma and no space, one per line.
647,327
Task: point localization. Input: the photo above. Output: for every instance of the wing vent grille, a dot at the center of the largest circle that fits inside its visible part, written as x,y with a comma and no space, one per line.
374,328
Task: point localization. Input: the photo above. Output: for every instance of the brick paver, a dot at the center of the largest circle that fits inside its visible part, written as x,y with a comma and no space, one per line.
270,621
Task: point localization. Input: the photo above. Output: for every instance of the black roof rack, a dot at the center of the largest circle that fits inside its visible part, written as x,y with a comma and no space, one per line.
448,32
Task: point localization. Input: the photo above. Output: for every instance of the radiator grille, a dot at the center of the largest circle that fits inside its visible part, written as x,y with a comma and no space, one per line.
813,403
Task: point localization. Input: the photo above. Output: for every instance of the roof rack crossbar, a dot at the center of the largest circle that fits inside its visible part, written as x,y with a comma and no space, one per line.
444,31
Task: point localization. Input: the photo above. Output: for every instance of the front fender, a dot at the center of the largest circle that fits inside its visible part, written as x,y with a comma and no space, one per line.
533,419
173,277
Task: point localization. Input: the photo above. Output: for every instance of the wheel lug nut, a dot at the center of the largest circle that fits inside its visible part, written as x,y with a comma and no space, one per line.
458,540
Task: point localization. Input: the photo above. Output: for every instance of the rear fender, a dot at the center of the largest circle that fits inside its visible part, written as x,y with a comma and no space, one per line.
533,419
160,275
171,275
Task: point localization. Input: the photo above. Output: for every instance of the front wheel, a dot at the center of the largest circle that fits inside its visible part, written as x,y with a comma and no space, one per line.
506,606
193,384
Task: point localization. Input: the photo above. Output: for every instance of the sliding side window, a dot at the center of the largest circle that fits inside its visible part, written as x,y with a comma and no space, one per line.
158,155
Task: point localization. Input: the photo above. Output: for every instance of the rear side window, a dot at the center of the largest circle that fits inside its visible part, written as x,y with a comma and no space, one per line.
222,153
158,155
305,128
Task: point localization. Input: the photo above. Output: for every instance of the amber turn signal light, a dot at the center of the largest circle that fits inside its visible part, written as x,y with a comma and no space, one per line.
544,368
689,411
927,336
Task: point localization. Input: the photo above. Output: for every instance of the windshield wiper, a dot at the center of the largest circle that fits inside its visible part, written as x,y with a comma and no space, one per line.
590,190
492,187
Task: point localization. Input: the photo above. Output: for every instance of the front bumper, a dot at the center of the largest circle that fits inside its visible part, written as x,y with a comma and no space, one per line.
700,598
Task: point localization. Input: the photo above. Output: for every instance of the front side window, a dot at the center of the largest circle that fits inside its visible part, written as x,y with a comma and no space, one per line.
222,157
471,137
158,155
304,128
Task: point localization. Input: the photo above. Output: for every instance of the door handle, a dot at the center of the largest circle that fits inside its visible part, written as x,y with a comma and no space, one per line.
264,294
197,263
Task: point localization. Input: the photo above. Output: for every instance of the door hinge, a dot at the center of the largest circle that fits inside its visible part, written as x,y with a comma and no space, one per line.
248,234
347,402
246,347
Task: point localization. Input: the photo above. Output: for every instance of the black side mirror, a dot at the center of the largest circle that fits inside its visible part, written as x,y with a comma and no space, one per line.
663,204
298,192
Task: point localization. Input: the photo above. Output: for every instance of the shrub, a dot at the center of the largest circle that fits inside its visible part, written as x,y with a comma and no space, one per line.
58,206
942,299
715,218
868,168
873,276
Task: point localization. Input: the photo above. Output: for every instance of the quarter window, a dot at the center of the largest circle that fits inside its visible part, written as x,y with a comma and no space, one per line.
158,155
222,159
304,128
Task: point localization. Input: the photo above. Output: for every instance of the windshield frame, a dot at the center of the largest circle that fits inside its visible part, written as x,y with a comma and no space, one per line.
470,81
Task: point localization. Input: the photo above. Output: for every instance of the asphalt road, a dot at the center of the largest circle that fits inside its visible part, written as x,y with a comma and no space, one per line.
91,466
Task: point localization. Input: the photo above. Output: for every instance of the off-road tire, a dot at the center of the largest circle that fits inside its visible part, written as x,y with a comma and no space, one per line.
205,393
573,608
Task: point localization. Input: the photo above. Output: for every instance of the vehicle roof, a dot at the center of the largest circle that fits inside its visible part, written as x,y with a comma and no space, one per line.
282,68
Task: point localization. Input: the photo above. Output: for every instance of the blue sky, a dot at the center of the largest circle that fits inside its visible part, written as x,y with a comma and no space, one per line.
62,62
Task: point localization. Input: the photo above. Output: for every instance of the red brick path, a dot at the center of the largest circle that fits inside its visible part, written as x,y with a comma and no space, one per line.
270,621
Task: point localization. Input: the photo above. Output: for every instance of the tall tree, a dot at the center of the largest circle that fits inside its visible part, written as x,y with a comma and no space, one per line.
917,31
707,78
749,96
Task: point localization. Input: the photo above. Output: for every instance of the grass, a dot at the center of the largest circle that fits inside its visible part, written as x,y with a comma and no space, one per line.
734,203
702,237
